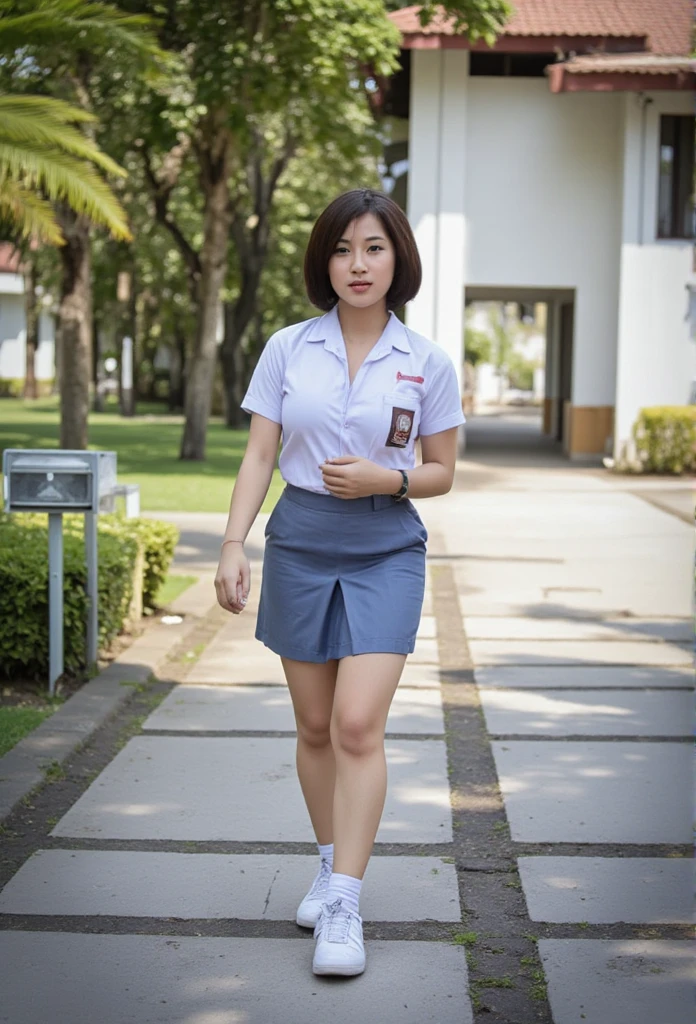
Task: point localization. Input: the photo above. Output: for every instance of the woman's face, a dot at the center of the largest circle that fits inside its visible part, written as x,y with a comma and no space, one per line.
361,268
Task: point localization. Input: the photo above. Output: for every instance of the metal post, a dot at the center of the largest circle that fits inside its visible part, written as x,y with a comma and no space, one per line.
92,588
55,599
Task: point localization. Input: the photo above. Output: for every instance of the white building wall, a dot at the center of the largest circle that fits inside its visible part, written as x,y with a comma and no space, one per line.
437,161
543,208
13,334
656,350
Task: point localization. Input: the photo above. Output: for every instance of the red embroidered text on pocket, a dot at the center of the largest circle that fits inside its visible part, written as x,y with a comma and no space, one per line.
401,427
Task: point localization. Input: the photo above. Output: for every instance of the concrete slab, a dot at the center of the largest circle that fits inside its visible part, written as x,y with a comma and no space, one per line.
579,712
171,787
151,979
421,676
425,653
597,652
592,792
539,627
622,981
427,630
269,709
574,677
604,890
218,886
237,661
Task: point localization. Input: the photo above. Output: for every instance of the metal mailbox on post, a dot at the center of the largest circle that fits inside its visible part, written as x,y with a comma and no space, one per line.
58,481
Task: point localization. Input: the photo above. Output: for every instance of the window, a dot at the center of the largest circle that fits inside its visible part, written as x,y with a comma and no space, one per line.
675,208
510,65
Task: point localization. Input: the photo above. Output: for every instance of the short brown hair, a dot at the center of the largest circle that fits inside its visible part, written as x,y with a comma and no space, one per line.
329,228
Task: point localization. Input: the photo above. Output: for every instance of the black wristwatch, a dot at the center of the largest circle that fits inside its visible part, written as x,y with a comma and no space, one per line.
401,494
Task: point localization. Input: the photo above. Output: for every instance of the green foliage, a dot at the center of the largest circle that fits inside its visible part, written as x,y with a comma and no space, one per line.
158,541
520,372
24,628
46,156
13,387
477,19
477,346
665,438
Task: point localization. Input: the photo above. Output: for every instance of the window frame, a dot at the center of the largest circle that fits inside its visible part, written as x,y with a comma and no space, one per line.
675,186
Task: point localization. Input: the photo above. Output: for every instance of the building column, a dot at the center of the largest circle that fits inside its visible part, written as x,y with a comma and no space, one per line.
437,143
655,352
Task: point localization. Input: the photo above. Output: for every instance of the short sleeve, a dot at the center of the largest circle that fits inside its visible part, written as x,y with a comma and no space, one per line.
441,405
265,392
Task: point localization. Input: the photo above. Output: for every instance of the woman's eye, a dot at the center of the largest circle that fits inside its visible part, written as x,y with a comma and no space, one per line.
340,249
378,248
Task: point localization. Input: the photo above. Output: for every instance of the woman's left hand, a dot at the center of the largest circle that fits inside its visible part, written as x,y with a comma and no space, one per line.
349,476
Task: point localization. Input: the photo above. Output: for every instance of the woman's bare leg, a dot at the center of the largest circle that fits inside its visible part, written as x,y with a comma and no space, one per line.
365,686
312,691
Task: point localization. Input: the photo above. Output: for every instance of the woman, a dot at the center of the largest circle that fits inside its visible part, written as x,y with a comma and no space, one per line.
344,567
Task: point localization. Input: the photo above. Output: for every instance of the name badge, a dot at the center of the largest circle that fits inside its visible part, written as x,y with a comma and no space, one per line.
401,427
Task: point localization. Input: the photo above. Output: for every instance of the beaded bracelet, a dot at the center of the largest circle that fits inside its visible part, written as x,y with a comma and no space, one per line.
231,541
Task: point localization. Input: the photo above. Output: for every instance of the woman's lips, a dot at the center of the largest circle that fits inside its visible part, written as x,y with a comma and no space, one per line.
360,286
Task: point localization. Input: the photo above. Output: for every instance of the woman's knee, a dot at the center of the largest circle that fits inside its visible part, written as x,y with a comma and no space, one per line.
356,734
314,729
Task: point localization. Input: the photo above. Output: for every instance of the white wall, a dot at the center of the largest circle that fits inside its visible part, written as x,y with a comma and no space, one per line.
437,162
656,352
543,207
13,334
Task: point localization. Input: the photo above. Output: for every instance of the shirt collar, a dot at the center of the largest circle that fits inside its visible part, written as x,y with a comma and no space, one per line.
327,328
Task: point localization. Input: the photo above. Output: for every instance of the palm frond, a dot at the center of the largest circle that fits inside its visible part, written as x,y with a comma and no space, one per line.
30,215
96,24
38,121
63,177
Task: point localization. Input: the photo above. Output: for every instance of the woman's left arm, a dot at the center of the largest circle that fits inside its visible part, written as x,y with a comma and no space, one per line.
436,474
351,477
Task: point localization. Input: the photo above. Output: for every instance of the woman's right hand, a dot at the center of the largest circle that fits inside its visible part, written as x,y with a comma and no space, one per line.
232,580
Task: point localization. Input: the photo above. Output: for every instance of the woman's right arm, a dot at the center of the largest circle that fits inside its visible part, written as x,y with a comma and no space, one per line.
232,580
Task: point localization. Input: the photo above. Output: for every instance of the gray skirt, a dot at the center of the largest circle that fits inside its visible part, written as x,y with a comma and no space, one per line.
341,577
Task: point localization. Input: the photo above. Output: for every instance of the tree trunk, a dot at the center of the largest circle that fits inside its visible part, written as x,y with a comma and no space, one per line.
233,363
177,370
213,263
75,330
31,315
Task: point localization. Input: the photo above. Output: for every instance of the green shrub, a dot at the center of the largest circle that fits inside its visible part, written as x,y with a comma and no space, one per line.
13,387
665,438
158,541
24,628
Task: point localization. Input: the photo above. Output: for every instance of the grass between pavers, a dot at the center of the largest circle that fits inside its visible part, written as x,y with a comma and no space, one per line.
147,446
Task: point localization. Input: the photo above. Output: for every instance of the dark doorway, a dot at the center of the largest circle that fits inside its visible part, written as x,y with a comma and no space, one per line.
565,367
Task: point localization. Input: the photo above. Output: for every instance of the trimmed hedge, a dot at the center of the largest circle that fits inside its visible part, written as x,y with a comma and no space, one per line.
24,637
665,438
158,541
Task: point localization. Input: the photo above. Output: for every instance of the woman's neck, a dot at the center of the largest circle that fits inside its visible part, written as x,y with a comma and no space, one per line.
362,326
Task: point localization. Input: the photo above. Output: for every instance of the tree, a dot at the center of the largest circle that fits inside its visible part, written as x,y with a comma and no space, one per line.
55,45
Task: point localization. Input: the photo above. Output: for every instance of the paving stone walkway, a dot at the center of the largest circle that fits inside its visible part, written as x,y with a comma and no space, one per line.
532,864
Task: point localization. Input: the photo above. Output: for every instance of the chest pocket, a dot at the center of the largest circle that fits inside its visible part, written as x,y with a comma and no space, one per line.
399,421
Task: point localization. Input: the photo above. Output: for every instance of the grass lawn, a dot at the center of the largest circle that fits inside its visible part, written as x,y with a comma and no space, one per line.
16,722
148,448
174,584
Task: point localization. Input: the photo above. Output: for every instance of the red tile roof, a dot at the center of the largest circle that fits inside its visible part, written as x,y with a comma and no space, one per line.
666,23
628,64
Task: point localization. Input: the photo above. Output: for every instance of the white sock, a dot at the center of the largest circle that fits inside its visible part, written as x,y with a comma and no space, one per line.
347,889
326,853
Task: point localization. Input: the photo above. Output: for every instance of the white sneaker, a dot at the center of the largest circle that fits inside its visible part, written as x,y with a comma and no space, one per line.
308,910
339,941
